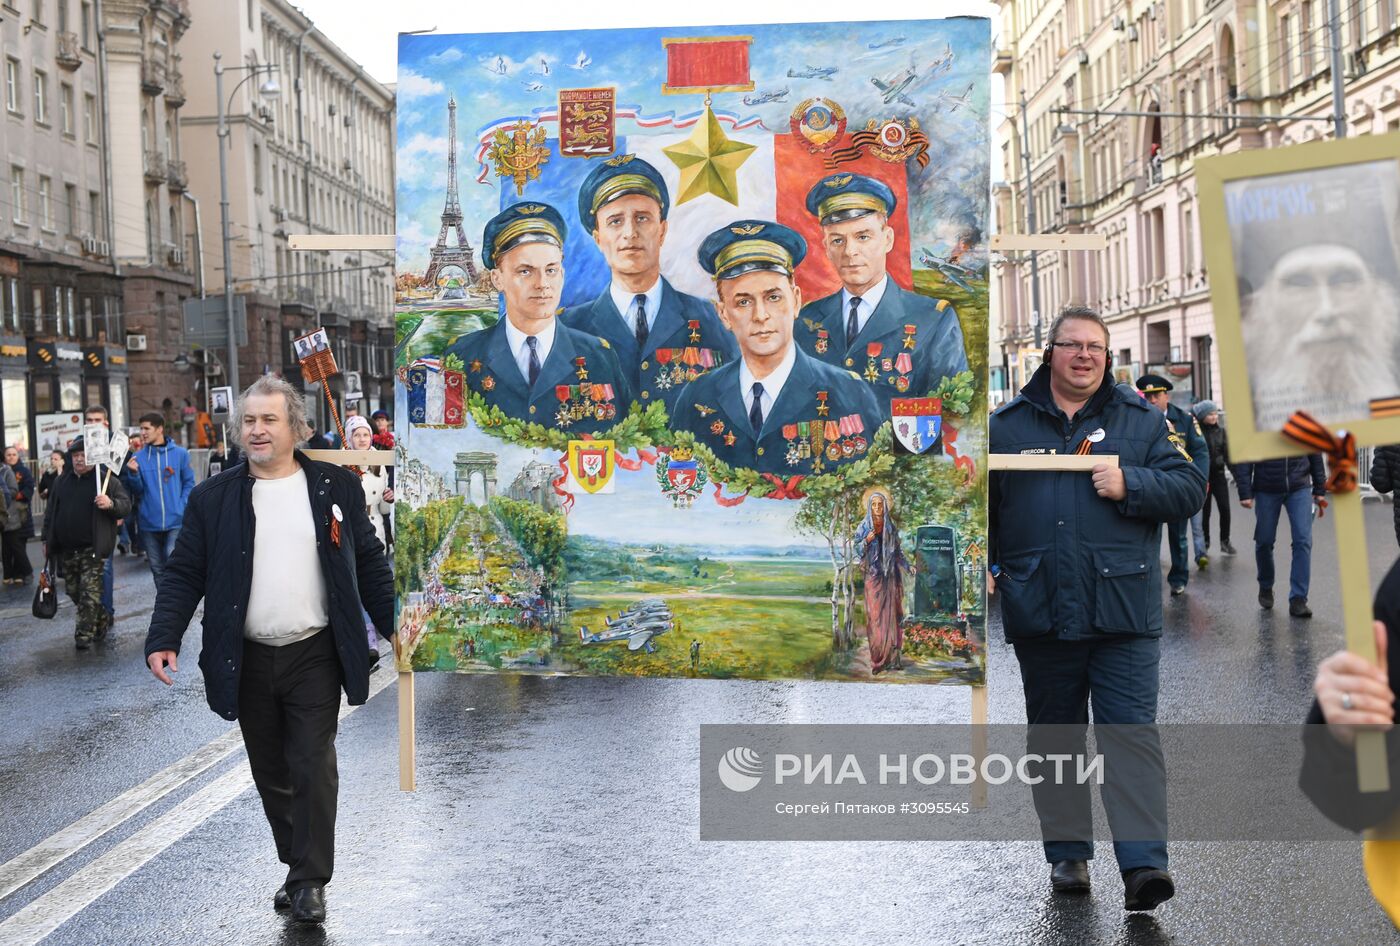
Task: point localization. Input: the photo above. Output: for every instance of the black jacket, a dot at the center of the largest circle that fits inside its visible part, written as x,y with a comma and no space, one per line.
1385,475
1281,476
213,560
70,487
1218,443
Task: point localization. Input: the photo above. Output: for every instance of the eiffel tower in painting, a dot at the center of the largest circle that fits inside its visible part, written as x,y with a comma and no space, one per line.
443,255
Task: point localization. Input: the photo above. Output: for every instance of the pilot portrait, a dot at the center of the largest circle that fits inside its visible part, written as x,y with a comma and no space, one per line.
901,343
775,409
662,337
529,364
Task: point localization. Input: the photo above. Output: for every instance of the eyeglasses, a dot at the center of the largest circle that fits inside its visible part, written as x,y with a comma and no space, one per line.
1096,349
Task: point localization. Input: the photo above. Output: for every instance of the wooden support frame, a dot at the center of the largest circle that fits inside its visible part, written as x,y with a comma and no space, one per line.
1048,241
1050,462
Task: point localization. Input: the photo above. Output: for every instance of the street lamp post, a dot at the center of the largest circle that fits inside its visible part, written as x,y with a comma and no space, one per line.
268,89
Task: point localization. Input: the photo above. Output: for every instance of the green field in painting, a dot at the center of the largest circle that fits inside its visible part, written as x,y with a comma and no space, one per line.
777,576
972,313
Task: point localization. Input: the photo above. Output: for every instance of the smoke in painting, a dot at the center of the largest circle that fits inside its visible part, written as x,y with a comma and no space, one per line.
691,335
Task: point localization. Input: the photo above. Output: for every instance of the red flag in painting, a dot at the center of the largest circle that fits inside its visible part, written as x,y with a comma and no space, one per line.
707,64
797,169
452,399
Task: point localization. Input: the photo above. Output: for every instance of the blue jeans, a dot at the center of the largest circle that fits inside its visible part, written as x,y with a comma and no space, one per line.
158,547
1176,543
1118,676
1267,507
107,600
1198,533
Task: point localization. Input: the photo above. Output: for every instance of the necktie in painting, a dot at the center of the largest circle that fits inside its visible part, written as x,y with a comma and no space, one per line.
853,323
642,329
534,367
756,411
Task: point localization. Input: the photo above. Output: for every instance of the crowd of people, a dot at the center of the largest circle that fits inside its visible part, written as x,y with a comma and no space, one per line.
91,515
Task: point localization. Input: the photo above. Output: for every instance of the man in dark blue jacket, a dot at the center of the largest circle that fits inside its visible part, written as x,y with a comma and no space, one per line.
284,555
1075,563
1270,486
1182,429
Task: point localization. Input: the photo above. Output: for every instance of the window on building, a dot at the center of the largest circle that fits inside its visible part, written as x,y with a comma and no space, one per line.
169,140
65,108
1188,242
70,204
87,317
87,24
38,311
72,309
63,16
41,97
12,90
1305,37
17,194
46,202
90,119
94,218
39,12
1285,57
257,168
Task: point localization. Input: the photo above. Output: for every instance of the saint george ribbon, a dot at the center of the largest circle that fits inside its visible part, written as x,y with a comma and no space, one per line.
1340,448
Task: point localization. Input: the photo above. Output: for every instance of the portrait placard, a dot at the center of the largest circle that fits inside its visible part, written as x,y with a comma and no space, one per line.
1305,284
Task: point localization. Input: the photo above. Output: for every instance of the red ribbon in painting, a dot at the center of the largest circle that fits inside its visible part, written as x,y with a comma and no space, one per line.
950,439
1340,448
728,501
785,489
568,498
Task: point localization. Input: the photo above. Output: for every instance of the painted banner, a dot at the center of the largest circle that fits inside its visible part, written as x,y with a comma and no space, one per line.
701,390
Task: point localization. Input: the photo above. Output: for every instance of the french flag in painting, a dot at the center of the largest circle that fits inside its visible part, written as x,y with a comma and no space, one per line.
773,185
417,384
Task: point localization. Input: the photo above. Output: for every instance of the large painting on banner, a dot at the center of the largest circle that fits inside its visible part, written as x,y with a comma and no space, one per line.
691,351
1305,283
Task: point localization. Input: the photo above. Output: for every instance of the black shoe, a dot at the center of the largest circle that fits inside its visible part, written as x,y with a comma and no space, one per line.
281,902
1298,608
309,905
1266,598
1178,590
1145,887
373,661
121,548
1069,876
1226,548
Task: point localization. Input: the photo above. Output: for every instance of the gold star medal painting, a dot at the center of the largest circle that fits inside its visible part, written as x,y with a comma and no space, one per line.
687,327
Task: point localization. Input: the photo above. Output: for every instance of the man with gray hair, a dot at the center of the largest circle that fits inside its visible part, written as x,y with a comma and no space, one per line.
283,554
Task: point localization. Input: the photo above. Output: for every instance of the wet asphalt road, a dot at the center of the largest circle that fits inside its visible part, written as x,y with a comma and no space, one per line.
566,811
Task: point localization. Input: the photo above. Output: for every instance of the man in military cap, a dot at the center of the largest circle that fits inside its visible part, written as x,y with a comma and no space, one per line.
663,338
775,409
529,364
903,343
1184,431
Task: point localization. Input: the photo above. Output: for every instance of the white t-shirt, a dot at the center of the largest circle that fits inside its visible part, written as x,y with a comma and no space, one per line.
288,599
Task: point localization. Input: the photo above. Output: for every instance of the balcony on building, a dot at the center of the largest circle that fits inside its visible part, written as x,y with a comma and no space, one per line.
175,90
1002,62
176,176
69,52
155,167
152,77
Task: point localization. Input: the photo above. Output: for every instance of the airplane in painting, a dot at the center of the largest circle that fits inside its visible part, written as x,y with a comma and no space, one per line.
763,98
532,86
582,62
499,69
894,41
893,88
943,63
953,272
638,626
543,70
813,72
953,101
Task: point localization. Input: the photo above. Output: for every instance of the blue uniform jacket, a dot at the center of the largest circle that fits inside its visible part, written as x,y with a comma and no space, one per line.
650,376
491,371
1072,563
712,408
161,485
937,343
1185,424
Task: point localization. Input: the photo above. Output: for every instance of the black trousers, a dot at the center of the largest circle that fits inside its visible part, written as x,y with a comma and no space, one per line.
16,555
1220,495
288,708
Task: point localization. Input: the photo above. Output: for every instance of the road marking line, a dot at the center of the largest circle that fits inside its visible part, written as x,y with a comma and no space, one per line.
54,908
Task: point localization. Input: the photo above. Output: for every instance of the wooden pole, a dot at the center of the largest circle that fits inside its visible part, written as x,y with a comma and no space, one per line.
408,776
1372,770
979,744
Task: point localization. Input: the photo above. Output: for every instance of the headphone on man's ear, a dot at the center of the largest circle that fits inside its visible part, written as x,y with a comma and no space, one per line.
1107,358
